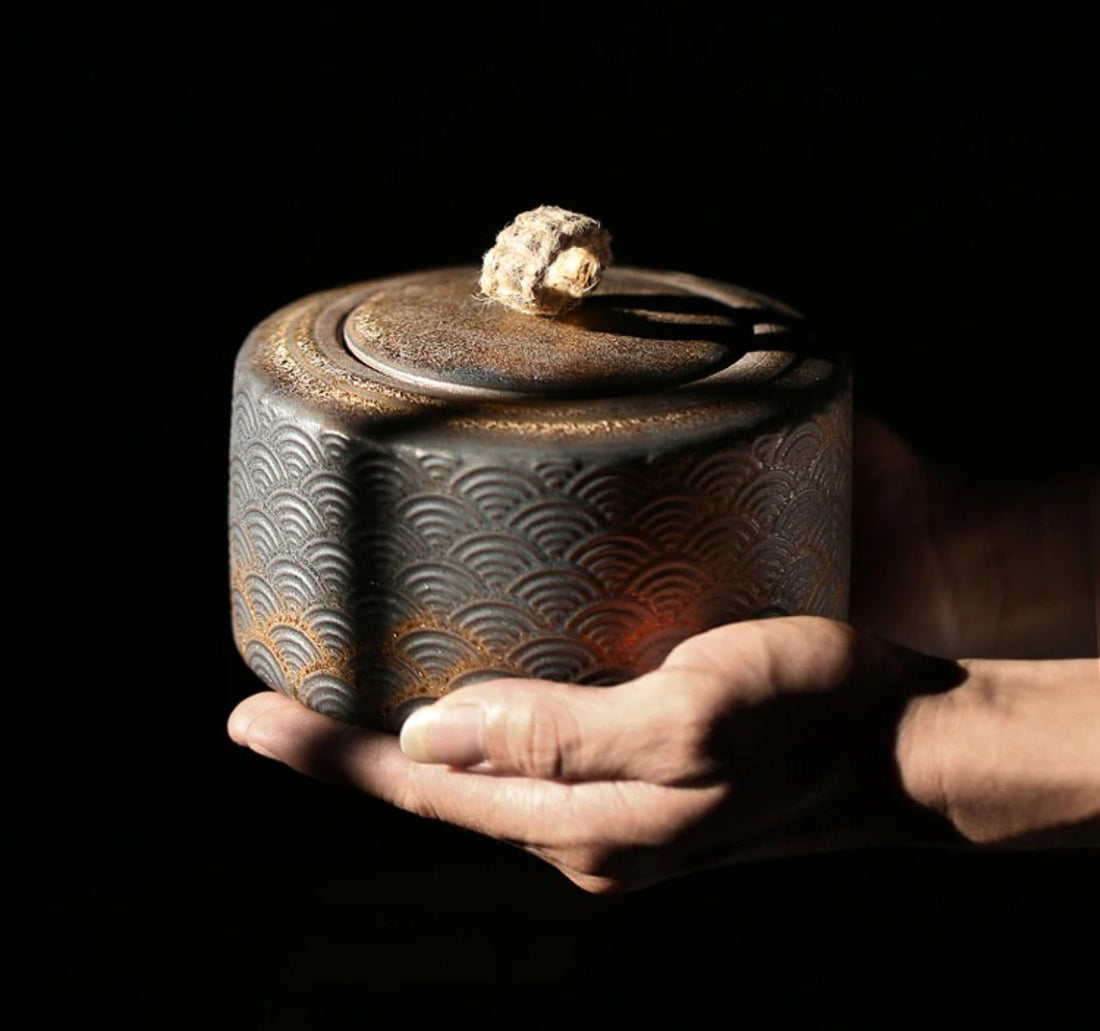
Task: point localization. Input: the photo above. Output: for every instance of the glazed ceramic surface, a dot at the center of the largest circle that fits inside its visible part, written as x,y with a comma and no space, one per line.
426,489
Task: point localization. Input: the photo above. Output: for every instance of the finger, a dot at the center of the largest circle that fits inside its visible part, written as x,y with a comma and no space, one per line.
316,745
568,825
283,729
242,716
651,729
807,655
658,728
768,657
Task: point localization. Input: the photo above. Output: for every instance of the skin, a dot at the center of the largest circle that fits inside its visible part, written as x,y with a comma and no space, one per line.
792,735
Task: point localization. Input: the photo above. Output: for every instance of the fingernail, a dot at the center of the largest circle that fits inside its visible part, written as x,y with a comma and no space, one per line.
451,734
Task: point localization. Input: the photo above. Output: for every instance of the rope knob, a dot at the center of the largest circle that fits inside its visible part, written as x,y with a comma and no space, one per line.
545,261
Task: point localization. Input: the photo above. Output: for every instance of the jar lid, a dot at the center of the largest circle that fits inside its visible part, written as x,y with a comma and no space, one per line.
639,331
650,356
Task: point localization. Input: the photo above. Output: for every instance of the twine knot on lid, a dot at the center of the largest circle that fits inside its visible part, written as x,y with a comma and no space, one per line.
545,261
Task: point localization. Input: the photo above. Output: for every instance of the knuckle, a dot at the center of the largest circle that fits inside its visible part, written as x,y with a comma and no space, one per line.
541,740
839,637
843,637
683,744
806,652
843,646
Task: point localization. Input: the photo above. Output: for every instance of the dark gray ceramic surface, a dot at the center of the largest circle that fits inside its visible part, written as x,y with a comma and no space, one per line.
426,489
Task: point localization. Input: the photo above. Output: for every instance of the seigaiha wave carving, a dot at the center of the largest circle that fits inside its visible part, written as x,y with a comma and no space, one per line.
366,577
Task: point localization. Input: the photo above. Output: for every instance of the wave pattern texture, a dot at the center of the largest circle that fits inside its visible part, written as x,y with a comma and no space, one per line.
366,576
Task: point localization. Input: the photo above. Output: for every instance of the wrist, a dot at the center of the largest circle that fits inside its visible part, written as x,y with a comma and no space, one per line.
1010,757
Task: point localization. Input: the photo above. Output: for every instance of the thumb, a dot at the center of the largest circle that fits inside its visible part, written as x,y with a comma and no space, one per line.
651,729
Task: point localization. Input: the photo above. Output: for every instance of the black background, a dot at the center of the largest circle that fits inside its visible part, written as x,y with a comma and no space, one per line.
920,184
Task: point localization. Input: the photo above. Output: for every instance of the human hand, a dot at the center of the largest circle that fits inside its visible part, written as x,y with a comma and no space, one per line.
957,566
757,739
789,735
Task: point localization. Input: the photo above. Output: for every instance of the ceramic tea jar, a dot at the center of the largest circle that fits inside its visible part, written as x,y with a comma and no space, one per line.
428,488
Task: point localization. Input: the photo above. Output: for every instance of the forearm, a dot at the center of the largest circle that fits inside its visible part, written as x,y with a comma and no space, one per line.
1023,568
1010,757
952,566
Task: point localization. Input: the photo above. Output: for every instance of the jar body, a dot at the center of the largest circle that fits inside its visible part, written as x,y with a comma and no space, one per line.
381,557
